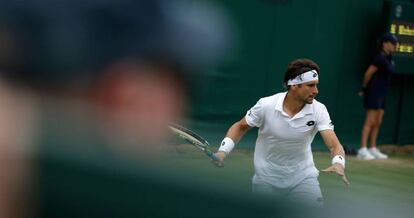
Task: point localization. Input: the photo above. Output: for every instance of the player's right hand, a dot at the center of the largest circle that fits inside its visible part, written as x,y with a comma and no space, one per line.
222,156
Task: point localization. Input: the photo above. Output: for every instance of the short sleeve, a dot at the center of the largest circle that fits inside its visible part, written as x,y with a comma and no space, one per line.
254,116
324,121
379,61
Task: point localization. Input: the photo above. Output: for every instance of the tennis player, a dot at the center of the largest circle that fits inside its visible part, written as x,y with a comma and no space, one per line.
287,123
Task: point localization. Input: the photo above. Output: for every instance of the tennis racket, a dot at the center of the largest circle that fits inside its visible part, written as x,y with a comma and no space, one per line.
195,140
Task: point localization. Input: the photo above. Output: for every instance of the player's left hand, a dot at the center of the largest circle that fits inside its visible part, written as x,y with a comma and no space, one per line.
339,170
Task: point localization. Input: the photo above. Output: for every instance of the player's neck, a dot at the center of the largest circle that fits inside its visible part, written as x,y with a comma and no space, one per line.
291,105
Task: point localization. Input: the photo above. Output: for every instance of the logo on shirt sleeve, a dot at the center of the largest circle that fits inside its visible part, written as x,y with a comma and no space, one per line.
310,123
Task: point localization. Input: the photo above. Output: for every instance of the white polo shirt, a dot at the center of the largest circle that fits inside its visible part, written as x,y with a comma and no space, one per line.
283,155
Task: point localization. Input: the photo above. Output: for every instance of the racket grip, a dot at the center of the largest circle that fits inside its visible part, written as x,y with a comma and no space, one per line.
213,156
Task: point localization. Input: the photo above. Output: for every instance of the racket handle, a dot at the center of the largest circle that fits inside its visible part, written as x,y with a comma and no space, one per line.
213,156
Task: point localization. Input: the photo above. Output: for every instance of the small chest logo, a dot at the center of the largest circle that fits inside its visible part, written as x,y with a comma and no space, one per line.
310,123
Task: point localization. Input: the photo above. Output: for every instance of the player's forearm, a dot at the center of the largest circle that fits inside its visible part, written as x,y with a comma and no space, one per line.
332,143
236,131
337,150
233,136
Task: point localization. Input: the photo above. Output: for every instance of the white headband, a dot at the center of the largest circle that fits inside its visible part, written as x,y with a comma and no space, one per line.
304,78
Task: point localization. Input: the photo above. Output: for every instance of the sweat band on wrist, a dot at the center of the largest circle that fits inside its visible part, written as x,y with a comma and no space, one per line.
338,159
227,145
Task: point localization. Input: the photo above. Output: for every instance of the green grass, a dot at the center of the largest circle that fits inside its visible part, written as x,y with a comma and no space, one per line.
378,183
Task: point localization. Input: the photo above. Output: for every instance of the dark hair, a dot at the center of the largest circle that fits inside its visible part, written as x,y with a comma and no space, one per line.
297,67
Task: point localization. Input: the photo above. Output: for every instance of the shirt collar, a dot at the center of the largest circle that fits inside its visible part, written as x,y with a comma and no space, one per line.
308,109
279,102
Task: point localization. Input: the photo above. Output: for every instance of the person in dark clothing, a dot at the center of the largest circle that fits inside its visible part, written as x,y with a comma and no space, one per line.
374,89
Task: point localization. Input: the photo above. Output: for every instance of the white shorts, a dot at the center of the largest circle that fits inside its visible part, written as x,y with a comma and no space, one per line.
306,192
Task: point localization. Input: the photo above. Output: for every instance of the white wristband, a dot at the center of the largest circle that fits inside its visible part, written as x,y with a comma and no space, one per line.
226,145
338,159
